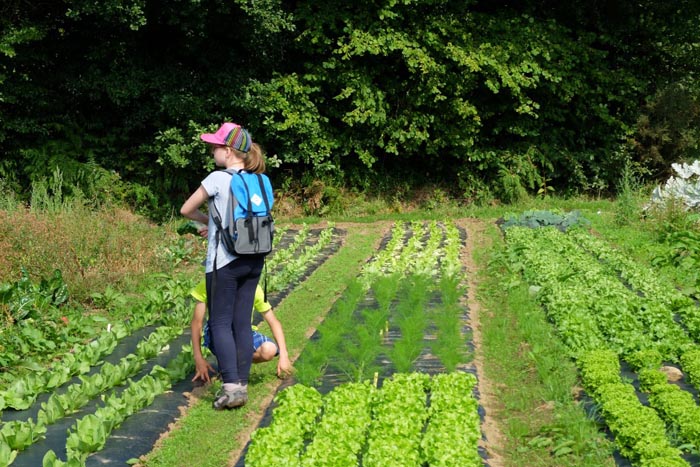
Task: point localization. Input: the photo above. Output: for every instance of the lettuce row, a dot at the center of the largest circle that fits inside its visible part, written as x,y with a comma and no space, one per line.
398,418
357,424
644,280
452,435
293,421
639,432
340,434
25,388
21,434
89,433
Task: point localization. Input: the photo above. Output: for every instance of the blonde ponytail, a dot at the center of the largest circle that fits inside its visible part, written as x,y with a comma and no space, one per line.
254,160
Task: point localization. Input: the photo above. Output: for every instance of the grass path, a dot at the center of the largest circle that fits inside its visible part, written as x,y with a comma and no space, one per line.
208,438
534,414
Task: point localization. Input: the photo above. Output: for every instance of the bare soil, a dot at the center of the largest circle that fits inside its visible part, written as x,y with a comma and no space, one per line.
492,440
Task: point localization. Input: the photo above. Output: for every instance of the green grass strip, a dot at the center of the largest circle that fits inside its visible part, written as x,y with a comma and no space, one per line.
541,422
205,437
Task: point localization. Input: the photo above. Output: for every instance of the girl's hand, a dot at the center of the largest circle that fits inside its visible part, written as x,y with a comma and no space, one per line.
202,369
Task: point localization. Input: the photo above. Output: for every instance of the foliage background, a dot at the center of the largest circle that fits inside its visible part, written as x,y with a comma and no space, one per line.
487,99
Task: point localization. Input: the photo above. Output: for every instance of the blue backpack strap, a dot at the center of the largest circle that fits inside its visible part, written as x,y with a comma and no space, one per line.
267,209
247,192
264,194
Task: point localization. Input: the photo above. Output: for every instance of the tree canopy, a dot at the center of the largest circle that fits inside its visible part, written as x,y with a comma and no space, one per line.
493,98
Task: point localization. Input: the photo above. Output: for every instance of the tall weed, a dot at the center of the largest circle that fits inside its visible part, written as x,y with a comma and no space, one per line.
671,216
9,201
92,249
628,205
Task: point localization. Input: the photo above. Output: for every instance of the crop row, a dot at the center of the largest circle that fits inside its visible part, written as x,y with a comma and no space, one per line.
25,386
288,266
590,306
645,281
20,434
90,432
386,313
639,432
609,309
411,420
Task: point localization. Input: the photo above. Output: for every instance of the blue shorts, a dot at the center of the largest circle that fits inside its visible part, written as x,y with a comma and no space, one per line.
258,340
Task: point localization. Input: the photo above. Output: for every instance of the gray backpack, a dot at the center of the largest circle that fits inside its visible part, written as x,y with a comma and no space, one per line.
250,228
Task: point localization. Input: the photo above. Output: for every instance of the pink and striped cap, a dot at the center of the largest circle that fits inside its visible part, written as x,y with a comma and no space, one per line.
231,135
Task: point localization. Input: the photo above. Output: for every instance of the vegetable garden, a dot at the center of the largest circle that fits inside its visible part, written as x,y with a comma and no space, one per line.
387,376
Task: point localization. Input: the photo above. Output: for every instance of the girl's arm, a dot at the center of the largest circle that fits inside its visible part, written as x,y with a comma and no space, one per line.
190,209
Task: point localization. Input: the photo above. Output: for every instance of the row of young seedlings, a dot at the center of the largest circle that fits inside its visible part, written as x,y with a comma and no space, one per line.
281,256
432,249
26,386
354,335
289,265
20,434
90,433
411,420
23,391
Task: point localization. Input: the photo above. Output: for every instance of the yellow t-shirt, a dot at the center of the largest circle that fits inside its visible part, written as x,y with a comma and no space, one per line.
260,305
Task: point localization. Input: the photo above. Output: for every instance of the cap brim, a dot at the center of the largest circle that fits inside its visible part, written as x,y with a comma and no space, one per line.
211,138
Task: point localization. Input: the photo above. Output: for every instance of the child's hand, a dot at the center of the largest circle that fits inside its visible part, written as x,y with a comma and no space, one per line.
284,367
202,369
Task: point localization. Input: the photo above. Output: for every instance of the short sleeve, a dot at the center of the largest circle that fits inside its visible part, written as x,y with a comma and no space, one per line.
260,305
199,292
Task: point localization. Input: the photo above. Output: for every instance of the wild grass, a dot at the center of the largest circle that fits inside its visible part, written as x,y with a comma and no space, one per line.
93,250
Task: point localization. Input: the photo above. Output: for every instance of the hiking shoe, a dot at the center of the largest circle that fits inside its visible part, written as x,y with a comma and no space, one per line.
231,399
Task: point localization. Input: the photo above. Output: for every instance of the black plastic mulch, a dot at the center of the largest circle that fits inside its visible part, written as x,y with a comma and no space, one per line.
426,362
137,434
126,441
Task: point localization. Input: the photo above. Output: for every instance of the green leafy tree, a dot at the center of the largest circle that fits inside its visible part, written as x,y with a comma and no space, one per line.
494,98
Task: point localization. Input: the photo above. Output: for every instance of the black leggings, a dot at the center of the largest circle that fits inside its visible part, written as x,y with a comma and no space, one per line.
231,293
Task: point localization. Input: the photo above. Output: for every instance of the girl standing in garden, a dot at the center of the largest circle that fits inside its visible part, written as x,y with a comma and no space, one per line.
230,280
